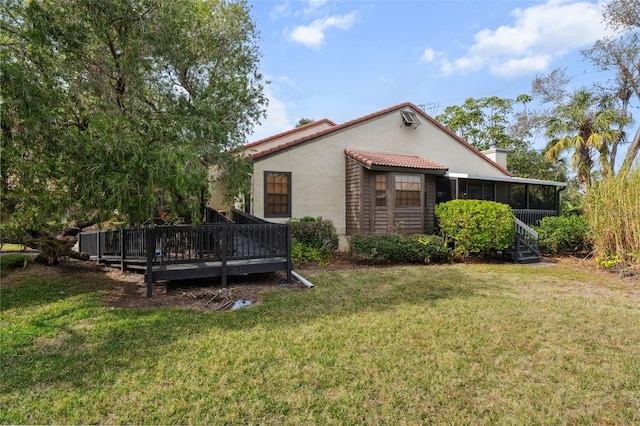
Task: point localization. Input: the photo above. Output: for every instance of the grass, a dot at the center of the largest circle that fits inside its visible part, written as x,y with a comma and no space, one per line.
461,344
12,261
10,247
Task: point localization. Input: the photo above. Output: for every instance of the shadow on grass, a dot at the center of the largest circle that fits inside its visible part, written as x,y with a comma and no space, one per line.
73,339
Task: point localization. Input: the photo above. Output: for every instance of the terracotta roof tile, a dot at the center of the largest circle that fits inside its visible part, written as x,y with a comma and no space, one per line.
380,159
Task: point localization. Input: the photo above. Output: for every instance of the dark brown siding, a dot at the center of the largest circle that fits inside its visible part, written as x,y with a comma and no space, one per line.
366,202
430,204
408,220
353,197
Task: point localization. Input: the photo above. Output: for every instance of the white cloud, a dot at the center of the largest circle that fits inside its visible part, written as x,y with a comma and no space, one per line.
429,55
537,35
277,120
283,9
312,35
313,6
520,66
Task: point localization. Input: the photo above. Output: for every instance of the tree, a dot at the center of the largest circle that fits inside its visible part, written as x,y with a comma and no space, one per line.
480,121
582,125
304,121
485,121
621,54
122,105
623,14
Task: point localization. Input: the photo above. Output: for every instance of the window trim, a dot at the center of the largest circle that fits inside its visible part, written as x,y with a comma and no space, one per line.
266,194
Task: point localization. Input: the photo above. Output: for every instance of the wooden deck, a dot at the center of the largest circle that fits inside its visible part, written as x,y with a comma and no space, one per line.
193,251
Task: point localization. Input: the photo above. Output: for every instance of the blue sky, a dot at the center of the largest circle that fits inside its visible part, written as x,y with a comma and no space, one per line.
344,59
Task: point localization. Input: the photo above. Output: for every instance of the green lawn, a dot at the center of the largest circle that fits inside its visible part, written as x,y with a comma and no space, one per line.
454,344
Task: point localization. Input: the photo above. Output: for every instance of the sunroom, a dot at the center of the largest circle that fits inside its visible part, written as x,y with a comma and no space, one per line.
398,193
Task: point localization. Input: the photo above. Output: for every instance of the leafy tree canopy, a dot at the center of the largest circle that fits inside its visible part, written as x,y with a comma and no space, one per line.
304,121
121,104
492,120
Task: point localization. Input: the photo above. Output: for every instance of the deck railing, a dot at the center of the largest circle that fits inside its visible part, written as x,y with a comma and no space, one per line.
533,217
239,216
216,245
189,244
528,237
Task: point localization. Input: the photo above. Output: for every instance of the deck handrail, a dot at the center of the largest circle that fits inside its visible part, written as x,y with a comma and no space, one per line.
533,216
190,243
239,216
528,236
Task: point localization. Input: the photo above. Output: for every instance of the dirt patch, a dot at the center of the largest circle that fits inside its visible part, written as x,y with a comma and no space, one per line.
205,295
128,290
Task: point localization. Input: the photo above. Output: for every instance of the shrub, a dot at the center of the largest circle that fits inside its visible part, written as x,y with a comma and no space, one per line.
399,248
302,253
475,226
314,239
563,233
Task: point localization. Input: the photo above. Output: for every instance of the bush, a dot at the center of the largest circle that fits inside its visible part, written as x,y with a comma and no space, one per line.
314,240
475,226
302,253
563,233
398,248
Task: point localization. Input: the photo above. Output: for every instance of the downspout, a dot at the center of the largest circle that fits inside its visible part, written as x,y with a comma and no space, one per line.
251,194
303,280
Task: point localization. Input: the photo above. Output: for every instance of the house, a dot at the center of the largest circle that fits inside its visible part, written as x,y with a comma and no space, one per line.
384,172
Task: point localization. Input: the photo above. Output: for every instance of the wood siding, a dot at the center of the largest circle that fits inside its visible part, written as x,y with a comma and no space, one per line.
430,204
354,197
408,220
367,217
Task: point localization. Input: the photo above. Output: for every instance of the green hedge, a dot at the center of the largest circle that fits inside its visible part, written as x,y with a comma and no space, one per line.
475,226
314,239
399,248
564,233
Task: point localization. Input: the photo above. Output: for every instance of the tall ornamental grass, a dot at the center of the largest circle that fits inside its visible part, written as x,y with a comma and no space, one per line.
612,208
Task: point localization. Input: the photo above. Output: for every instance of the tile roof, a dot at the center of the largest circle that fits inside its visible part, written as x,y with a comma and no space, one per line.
380,159
307,126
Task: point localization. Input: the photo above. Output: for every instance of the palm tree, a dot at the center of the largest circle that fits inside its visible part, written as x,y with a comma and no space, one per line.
583,125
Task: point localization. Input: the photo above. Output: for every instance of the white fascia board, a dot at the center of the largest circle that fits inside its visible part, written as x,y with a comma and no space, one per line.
506,179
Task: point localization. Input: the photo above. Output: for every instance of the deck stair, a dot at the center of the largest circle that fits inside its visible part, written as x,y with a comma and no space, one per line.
525,245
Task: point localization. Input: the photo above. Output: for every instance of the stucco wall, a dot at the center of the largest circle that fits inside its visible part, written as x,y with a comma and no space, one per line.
318,167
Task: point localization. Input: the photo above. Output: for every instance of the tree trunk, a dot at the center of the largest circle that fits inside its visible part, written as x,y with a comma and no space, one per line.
631,155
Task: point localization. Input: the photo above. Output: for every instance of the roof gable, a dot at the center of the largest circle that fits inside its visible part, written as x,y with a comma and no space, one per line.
274,148
301,132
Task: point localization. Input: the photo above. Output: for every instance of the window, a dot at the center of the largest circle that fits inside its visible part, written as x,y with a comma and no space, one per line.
445,188
277,194
474,190
407,191
518,196
479,190
381,190
542,197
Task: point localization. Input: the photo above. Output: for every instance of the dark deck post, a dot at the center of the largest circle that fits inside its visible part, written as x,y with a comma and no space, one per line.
98,241
224,230
151,251
122,249
289,261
